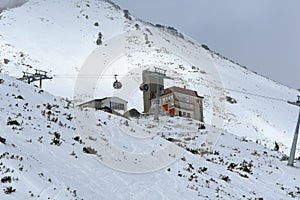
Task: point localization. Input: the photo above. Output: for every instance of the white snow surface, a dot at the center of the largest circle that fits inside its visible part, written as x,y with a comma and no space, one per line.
8,4
58,36
42,169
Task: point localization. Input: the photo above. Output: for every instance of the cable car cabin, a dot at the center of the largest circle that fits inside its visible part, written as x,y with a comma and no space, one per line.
144,87
117,85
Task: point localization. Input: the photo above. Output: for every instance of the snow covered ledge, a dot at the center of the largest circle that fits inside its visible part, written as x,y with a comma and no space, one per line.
8,4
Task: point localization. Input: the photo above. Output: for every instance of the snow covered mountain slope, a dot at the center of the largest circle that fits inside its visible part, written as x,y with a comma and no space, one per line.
261,110
58,36
8,4
42,157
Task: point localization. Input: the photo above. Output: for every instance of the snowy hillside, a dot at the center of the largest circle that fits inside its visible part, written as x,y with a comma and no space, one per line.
42,157
56,36
8,4
52,39
43,154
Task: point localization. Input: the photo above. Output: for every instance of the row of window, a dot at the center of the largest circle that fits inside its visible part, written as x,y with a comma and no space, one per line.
167,98
117,106
185,114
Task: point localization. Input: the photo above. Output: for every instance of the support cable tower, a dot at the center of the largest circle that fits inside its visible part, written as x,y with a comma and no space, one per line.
294,144
39,75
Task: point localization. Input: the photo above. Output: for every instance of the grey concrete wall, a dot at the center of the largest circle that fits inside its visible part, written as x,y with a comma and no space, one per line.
151,79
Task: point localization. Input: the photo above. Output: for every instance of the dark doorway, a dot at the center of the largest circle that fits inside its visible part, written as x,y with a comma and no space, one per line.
172,112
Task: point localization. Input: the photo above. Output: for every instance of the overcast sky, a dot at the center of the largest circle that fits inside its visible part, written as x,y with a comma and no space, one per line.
263,35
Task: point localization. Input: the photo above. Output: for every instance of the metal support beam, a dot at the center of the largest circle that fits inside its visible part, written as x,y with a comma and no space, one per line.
156,117
294,144
41,81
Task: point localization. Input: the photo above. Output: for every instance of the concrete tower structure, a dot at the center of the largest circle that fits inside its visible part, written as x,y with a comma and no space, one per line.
155,80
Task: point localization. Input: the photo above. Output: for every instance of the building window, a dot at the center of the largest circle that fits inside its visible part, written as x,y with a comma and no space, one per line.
117,106
189,115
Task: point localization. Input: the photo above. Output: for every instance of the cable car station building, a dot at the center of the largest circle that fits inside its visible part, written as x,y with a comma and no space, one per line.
174,101
114,103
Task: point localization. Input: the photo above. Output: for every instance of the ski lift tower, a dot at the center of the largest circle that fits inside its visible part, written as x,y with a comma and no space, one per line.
294,144
155,81
39,75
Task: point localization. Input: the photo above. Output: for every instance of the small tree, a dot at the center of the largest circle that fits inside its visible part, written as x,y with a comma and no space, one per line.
276,147
99,40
